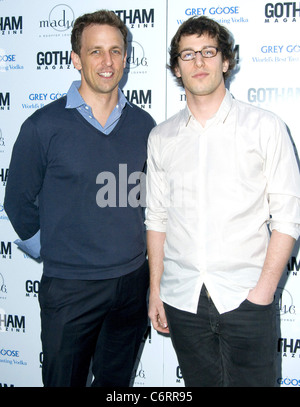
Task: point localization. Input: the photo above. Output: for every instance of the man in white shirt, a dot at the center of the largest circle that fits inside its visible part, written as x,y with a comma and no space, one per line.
221,174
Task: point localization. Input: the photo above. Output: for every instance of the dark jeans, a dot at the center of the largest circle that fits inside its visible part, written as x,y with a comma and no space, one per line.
237,348
103,321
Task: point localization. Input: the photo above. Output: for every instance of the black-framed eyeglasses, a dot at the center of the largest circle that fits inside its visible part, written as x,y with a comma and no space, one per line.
206,52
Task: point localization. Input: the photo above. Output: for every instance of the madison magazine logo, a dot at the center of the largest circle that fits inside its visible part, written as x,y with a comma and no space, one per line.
137,61
2,145
60,20
3,288
286,307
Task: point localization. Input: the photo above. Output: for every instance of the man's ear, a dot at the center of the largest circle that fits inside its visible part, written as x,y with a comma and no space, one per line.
124,60
177,72
76,61
225,65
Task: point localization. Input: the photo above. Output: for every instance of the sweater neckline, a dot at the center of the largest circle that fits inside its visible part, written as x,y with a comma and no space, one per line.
114,130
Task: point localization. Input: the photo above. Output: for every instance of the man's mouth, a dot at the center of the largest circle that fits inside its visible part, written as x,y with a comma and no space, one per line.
200,75
106,74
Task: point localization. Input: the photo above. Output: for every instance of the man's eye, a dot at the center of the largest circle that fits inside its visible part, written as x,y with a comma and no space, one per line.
188,55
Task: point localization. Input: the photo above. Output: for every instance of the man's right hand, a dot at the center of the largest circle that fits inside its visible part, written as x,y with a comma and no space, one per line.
157,314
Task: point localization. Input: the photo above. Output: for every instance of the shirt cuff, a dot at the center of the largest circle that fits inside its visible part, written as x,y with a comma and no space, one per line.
30,246
291,229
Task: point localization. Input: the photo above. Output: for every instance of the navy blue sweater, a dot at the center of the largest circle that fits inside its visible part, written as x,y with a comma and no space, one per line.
66,165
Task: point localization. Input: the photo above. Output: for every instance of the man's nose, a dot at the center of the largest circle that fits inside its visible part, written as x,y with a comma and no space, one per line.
107,58
199,60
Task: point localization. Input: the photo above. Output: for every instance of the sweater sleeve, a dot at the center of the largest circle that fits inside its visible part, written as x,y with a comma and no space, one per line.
25,178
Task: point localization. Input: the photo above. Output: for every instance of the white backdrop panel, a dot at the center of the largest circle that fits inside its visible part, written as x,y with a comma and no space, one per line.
35,69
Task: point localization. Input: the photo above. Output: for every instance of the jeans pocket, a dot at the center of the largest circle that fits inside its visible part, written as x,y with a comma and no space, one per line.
253,306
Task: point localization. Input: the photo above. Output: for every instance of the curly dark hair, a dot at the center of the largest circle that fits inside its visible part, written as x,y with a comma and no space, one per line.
203,25
100,17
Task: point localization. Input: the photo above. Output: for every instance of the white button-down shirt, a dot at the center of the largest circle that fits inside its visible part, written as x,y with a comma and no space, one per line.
216,191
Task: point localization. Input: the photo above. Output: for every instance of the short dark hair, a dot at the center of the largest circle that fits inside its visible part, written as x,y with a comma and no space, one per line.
203,25
100,17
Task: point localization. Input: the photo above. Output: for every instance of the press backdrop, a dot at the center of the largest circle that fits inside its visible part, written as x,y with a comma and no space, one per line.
35,69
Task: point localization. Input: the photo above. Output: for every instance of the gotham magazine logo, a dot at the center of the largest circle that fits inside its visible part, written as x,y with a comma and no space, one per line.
139,97
179,376
271,95
52,60
5,250
282,12
32,288
11,25
138,18
289,347
12,323
6,385
4,101
3,176
293,265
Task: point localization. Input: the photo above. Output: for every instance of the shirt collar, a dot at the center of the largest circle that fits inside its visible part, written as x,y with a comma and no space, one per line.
221,115
75,100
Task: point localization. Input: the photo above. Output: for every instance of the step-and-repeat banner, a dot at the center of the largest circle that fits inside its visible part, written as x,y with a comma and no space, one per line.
36,68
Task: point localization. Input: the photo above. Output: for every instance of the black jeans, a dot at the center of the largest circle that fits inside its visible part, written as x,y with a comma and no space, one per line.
102,321
237,348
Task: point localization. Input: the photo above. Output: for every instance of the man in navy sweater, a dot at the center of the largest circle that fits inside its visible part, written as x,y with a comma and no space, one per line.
75,185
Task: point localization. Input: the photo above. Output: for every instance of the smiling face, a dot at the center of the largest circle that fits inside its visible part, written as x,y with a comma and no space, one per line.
201,76
101,61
